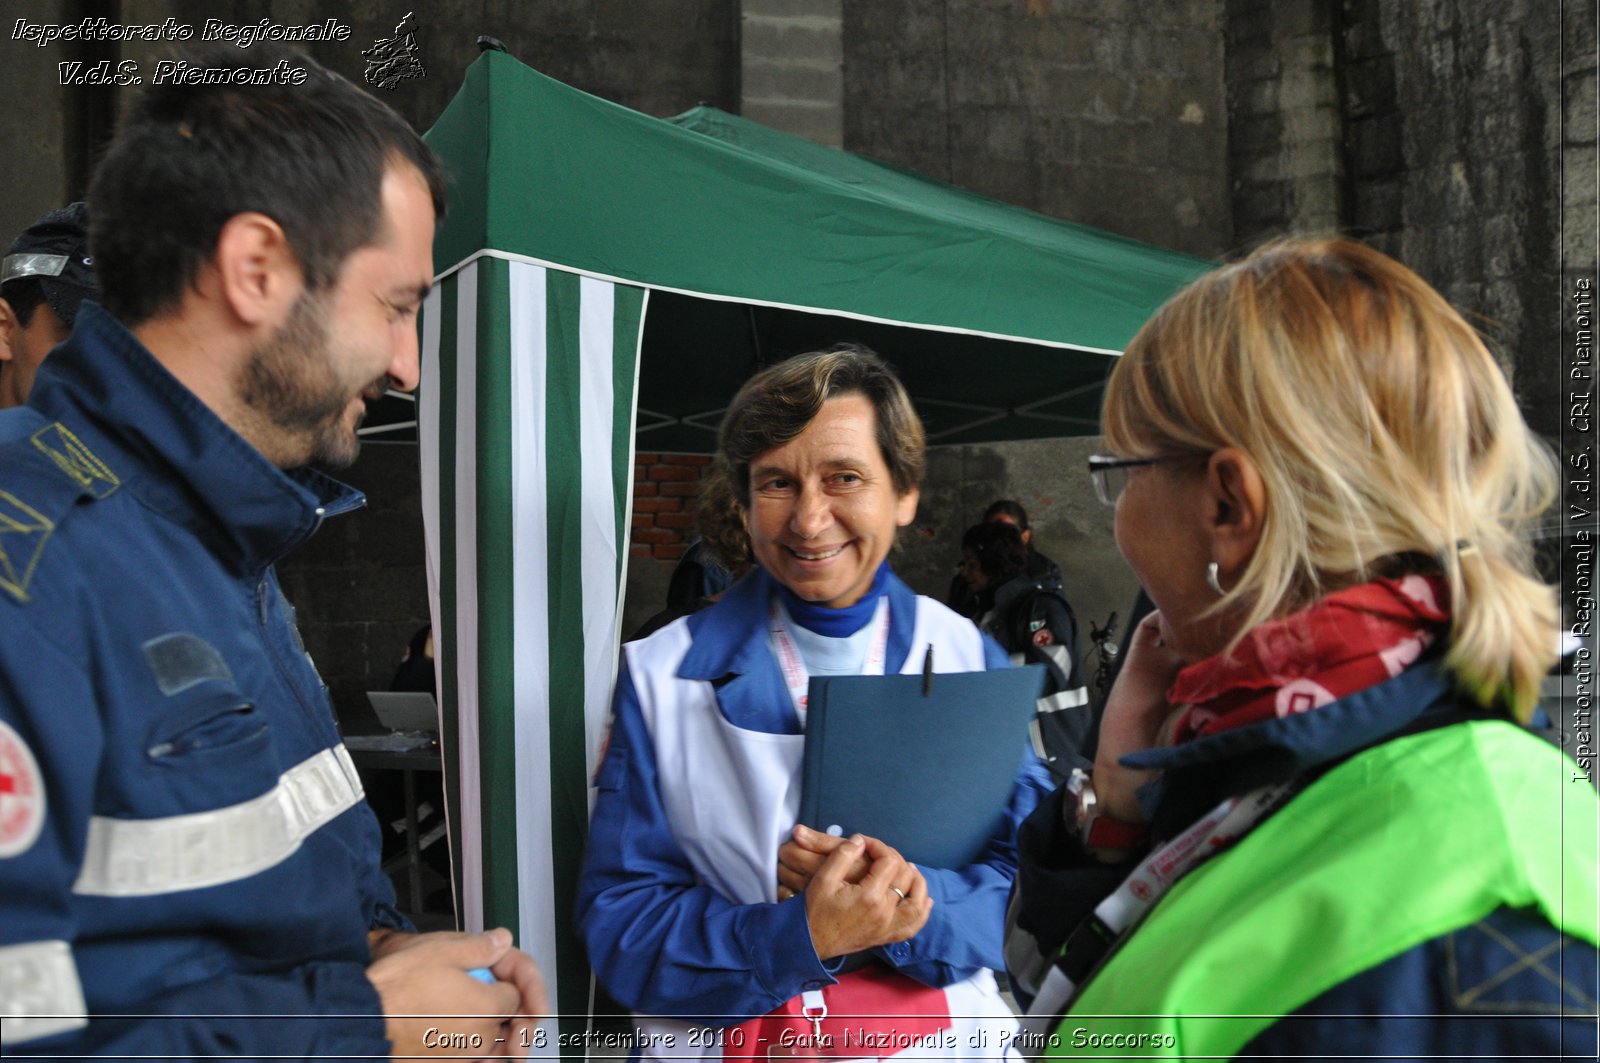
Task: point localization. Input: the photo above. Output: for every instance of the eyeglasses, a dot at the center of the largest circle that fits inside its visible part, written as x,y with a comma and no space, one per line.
1110,475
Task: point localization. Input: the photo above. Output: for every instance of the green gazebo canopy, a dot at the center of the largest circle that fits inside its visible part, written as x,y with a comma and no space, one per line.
756,245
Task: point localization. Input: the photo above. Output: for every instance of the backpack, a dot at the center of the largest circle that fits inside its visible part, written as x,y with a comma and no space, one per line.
1063,716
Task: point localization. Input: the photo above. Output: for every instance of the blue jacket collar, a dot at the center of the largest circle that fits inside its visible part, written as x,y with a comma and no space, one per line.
728,648
166,446
730,637
1198,774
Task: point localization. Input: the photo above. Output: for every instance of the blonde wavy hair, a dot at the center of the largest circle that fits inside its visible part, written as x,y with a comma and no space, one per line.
1385,433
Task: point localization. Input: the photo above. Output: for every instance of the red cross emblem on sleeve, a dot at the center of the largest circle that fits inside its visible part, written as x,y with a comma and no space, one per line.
21,795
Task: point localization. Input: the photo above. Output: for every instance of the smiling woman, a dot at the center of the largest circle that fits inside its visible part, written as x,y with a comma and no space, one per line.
823,509
826,455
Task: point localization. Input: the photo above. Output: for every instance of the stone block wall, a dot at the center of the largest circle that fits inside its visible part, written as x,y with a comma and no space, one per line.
791,67
1430,131
50,130
1107,112
1285,128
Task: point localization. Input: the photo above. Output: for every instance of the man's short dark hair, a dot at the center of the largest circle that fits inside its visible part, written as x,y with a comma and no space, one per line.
189,157
1005,507
24,297
49,264
998,548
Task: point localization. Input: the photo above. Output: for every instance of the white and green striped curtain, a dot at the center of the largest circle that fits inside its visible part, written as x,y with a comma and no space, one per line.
526,425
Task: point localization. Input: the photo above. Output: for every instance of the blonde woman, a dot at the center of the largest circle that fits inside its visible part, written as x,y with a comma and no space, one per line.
1315,825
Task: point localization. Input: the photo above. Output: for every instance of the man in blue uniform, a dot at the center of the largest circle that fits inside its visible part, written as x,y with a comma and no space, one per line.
45,275
187,866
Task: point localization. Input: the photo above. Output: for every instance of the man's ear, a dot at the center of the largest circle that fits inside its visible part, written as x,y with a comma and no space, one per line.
257,273
1236,503
9,327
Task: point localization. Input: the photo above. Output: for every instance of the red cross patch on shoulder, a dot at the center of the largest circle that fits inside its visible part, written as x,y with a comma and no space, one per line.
21,794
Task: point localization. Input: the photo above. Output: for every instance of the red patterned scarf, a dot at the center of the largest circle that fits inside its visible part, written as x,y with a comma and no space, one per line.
1348,641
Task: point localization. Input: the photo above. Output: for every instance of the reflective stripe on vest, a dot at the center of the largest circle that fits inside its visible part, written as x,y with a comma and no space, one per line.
39,991
1404,843
145,857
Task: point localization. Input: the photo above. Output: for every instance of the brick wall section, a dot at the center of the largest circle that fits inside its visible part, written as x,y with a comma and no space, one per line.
665,487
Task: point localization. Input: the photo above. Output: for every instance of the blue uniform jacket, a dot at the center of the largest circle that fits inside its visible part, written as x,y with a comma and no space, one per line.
1495,989
664,944
201,846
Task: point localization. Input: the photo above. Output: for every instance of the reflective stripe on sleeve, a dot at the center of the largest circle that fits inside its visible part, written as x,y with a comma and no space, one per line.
146,857
39,991
1064,699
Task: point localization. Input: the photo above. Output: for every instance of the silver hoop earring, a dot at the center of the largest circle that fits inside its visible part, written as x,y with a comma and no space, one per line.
1212,581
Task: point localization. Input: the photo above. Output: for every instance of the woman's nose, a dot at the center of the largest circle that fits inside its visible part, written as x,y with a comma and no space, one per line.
811,514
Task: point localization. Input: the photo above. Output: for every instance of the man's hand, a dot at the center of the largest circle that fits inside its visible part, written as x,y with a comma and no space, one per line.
889,903
432,1006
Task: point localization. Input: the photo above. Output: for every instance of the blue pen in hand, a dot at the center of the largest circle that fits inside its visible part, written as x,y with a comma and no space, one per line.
484,975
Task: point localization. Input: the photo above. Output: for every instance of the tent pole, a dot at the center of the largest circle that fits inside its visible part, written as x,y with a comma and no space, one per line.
755,339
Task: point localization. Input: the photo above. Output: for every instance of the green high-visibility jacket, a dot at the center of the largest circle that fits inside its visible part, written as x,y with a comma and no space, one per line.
1398,845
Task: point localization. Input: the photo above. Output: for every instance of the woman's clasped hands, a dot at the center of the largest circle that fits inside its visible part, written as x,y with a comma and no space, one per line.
859,892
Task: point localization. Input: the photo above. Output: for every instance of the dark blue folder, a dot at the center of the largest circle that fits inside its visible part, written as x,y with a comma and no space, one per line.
926,763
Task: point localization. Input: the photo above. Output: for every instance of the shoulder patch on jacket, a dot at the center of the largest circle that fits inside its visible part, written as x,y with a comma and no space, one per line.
45,470
77,461
23,533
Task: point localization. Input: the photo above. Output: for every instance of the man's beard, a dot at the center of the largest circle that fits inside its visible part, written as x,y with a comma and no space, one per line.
290,381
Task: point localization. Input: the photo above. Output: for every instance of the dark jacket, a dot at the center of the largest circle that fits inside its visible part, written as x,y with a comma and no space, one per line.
204,849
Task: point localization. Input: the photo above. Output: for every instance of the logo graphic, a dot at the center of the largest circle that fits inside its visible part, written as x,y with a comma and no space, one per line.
21,795
392,60
1302,695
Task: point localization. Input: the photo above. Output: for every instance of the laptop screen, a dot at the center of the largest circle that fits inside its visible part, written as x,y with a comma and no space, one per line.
405,710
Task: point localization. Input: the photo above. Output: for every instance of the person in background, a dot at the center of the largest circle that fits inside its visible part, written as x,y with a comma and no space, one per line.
1034,624
1321,479
716,560
386,793
1011,606
416,671
1040,569
187,866
45,274
701,900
